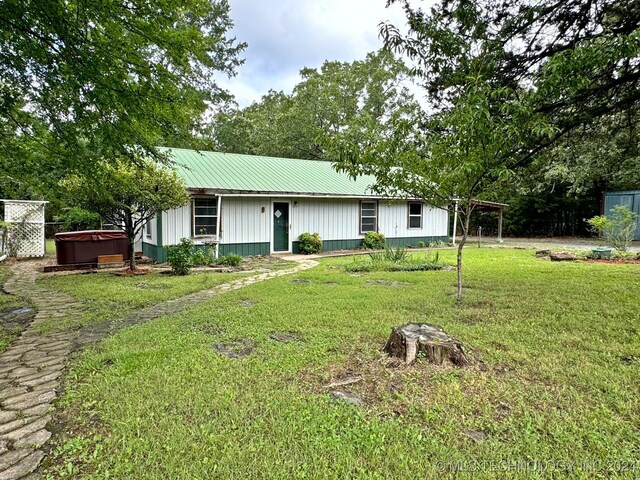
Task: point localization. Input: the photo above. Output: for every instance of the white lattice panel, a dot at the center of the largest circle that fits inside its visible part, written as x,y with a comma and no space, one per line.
26,234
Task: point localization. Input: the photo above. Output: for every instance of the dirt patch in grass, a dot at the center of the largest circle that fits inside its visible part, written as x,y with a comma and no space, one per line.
128,272
615,261
386,385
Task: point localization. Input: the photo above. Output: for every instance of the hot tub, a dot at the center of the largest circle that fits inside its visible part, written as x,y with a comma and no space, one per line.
88,245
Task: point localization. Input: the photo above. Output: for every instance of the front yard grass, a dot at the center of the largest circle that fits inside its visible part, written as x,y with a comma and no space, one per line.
554,377
106,296
10,324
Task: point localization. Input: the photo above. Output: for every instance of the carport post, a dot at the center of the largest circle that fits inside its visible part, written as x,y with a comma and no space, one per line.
500,225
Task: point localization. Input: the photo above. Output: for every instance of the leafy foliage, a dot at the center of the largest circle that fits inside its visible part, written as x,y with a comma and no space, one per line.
180,257
351,101
101,77
374,241
310,243
617,228
202,256
230,260
77,219
395,261
124,194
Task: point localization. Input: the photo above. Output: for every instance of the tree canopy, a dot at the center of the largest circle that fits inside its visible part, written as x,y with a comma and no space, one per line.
82,81
339,99
127,194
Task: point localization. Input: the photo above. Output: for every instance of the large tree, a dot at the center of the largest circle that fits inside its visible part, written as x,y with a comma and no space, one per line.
127,195
104,76
580,58
506,82
339,98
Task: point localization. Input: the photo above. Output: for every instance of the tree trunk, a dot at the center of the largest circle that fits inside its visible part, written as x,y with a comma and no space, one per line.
129,227
422,340
463,240
132,253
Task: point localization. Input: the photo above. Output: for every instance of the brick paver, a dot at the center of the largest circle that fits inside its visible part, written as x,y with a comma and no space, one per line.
32,367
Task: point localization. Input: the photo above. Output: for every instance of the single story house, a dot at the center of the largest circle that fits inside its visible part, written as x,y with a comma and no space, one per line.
255,205
627,198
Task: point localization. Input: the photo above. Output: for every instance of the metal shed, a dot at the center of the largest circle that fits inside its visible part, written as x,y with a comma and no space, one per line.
628,198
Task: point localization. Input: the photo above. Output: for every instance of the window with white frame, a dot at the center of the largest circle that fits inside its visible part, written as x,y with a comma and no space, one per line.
415,214
147,228
368,216
205,216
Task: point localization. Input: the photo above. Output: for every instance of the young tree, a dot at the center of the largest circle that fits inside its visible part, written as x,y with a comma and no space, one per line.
127,195
462,155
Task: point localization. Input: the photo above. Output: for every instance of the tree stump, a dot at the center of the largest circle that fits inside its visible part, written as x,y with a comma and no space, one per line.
415,340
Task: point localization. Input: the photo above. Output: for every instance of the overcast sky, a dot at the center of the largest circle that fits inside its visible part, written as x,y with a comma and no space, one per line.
286,35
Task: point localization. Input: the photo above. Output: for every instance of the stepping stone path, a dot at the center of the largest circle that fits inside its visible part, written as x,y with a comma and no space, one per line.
31,368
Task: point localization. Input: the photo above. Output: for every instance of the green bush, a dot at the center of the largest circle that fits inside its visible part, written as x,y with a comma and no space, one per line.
378,263
310,243
421,244
230,260
374,241
617,229
77,219
202,256
180,256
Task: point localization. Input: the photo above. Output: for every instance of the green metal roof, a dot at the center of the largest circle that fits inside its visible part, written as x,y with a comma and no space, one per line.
233,173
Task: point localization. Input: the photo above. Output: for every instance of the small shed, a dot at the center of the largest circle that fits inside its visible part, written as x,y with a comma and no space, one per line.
24,235
628,198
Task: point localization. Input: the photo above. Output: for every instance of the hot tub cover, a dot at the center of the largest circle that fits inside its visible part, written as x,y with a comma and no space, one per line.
90,236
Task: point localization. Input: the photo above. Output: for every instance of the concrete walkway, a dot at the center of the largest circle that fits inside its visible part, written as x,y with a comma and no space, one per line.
32,367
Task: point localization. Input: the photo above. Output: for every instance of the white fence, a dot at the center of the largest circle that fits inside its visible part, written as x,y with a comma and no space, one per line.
24,232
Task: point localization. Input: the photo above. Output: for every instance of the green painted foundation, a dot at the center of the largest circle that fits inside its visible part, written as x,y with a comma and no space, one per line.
331,245
262,248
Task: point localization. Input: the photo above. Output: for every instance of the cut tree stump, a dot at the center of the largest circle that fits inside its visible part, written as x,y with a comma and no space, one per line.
417,340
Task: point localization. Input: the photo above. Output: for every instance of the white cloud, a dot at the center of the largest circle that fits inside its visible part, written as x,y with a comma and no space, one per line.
286,35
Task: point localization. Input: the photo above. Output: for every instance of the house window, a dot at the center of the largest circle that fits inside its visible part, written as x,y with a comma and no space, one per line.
368,217
147,228
205,216
415,215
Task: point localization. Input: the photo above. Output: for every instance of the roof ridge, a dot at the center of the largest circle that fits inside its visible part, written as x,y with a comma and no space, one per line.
330,162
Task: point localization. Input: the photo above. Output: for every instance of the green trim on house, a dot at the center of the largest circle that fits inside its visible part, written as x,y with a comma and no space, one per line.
245,249
413,241
159,254
331,245
159,229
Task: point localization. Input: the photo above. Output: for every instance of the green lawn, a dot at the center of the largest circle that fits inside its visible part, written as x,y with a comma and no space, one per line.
555,349
9,327
107,296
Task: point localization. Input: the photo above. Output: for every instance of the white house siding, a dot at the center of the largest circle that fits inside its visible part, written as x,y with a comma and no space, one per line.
248,220
176,224
393,221
244,221
332,219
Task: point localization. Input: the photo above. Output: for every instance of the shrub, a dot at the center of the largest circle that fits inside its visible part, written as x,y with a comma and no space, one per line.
180,257
421,244
76,219
397,255
230,259
310,243
378,263
617,229
202,256
374,241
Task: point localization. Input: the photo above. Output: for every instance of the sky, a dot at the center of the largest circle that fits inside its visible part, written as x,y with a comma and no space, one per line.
284,36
